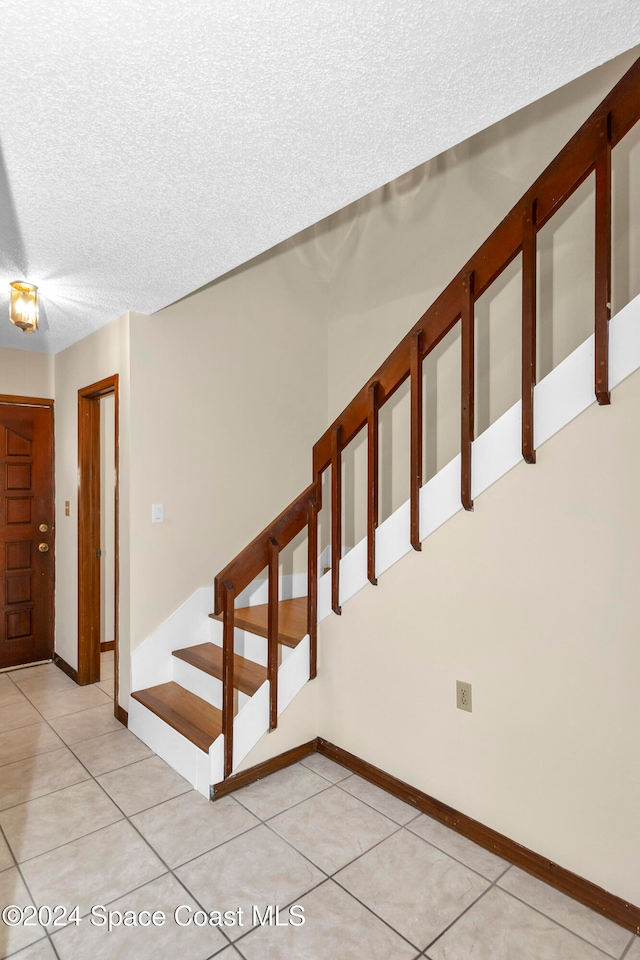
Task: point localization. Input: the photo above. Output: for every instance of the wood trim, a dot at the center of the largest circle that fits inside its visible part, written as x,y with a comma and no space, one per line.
254,558
372,481
89,531
336,518
64,666
585,892
416,438
228,630
529,327
272,631
109,645
602,294
263,769
312,589
26,401
468,388
122,715
570,168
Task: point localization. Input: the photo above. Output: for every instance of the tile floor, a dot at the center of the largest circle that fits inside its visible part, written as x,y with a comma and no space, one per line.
90,817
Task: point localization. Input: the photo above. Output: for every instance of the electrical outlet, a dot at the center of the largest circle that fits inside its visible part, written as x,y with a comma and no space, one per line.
463,695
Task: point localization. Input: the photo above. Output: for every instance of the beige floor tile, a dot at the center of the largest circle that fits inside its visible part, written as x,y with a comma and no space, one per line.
154,942
42,671
9,693
382,801
42,950
107,687
336,926
416,888
599,931
332,828
107,665
113,750
87,724
50,680
499,927
36,776
256,868
187,826
6,860
281,790
634,953
13,891
58,704
32,740
143,784
459,847
18,713
229,954
94,869
48,822
326,768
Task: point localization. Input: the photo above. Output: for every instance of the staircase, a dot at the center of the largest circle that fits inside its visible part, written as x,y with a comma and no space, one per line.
204,706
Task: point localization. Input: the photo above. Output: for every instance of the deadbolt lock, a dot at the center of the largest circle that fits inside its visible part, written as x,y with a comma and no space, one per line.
43,547
43,528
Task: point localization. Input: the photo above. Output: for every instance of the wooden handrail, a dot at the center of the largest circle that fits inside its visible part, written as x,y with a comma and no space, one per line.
254,558
588,150
575,162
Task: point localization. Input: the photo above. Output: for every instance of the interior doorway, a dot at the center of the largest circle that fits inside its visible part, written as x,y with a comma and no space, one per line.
98,432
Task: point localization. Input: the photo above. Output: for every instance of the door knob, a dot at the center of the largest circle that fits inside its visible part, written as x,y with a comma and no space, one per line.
43,528
43,547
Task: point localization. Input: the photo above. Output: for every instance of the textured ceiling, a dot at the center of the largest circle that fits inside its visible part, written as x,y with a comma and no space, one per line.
149,146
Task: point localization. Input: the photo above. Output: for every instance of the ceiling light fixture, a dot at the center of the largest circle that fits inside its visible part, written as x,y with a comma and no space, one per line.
23,310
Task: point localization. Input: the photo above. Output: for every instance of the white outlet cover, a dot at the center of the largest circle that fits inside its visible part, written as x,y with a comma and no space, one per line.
157,513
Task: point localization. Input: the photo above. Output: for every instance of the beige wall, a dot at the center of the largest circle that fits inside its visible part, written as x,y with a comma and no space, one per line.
99,355
533,599
26,374
228,397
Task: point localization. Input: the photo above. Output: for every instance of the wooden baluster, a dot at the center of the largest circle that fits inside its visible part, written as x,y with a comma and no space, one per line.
227,675
372,479
416,438
336,517
468,387
272,631
529,281
312,588
603,260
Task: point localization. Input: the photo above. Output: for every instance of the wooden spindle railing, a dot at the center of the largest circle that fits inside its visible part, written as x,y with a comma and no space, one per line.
603,256
372,480
588,150
468,390
416,439
529,310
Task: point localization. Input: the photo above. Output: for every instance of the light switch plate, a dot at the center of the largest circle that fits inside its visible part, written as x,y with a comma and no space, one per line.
157,513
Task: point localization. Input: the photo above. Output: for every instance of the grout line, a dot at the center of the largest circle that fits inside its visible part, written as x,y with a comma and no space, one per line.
628,947
261,822
558,922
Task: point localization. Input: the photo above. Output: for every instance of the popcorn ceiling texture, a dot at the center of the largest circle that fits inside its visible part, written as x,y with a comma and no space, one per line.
148,147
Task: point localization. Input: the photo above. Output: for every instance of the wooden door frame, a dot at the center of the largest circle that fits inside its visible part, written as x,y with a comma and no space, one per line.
49,403
89,532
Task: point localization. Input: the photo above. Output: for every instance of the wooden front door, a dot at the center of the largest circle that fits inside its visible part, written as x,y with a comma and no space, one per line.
26,533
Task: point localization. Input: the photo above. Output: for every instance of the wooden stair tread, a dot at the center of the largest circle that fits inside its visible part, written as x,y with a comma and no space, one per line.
247,675
198,721
292,620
